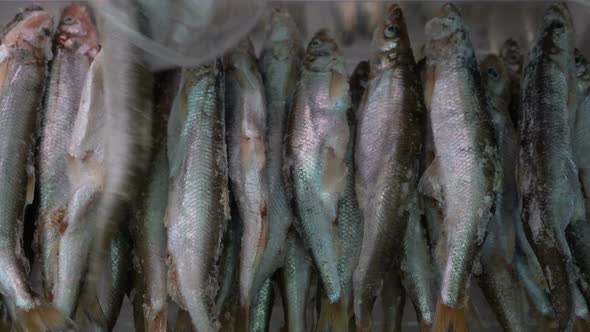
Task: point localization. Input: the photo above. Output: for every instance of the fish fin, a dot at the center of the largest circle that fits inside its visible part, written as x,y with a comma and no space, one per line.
333,316
429,184
42,318
183,322
158,324
30,193
429,79
89,315
334,177
449,319
338,87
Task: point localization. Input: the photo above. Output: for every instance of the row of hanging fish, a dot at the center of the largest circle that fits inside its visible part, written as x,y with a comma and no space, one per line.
221,186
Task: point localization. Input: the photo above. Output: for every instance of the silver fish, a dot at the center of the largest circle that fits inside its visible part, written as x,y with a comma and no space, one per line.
500,285
261,308
24,52
388,145
279,65
317,139
198,210
76,45
464,177
548,178
246,129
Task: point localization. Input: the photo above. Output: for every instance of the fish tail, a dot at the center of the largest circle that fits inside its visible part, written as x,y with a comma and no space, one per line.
42,318
449,318
581,325
183,322
158,324
89,315
333,316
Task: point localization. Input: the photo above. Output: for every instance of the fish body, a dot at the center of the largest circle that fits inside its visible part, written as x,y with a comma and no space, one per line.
548,181
317,139
387,148
75,46
279,65
501,287
198,210
24,53
246,141
464,177
393,298
261,309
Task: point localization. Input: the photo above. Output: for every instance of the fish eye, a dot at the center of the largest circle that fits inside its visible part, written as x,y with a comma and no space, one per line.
492,72
314,43
68,20
391,31
46,32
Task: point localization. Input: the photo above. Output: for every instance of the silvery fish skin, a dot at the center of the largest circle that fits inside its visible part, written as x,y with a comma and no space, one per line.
147,228
578,233
295,279
387,148
198,210
24,52
85,176
500,285
317,139
75,46
246,129
279,65
393,298
548,181
261,308
512,55
464,177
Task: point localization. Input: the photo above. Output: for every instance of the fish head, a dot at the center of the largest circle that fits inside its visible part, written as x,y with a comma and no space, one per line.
512,55
322,53
495,77
582,70
558,29
32,31
77,32
392,39
447,34
282,26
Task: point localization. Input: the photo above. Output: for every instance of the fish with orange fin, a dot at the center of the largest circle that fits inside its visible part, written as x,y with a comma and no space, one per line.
464,177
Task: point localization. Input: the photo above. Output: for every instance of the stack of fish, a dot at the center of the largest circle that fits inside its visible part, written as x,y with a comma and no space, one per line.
220,186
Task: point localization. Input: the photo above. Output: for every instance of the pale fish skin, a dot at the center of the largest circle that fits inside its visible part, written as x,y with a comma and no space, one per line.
24,53
548,177
279,65
147,228
295,282
317,139
500,285
578,233
465,176
387,150
246,140
75,45
261,309
198,207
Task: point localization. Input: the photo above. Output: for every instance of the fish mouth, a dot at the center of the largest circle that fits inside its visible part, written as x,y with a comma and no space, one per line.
445,24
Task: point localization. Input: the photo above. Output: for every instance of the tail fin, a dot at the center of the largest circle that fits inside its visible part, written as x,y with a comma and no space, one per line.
333,316
183,322
42,318
449,319
158,324
89,315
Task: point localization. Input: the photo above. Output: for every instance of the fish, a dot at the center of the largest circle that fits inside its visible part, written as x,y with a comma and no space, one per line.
76,46
393,298
581,311
246,129
388,143
128,140
295,283
279,66
350,227
464,178
548,177
147,226
198,201
24,54
261,309
315,151
512,56
501,287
